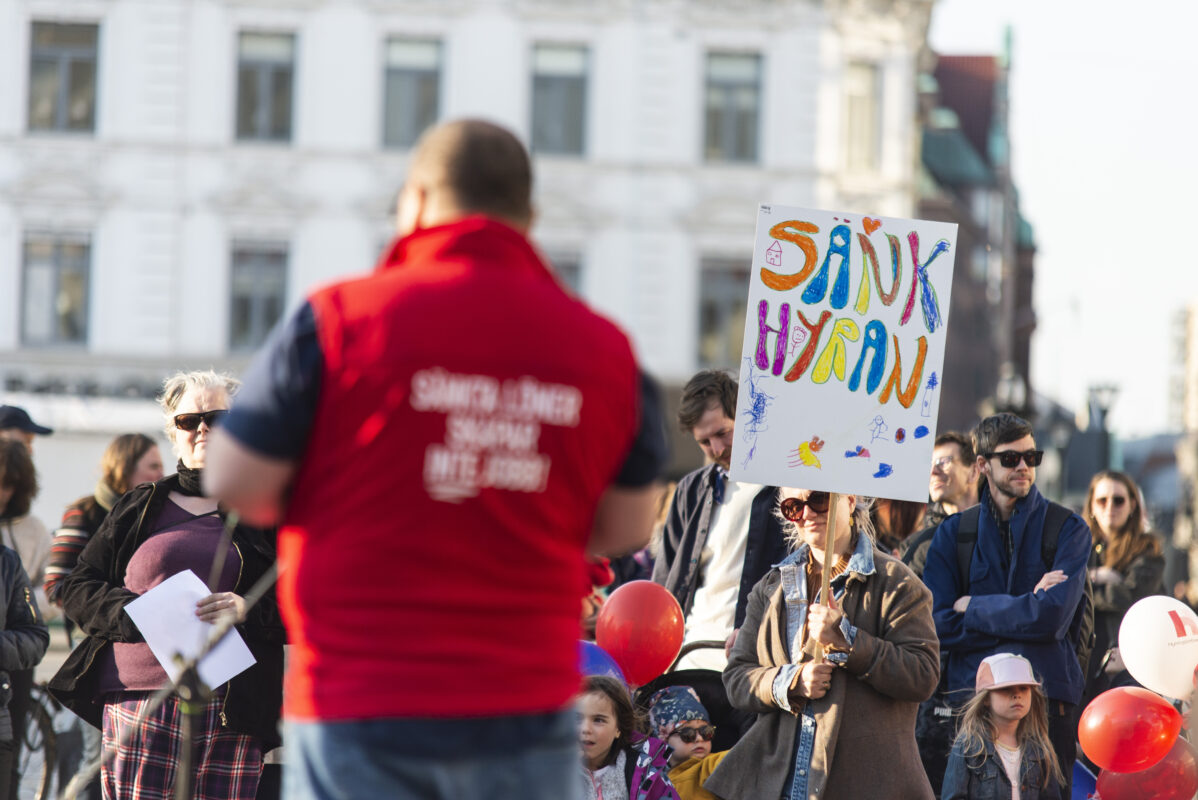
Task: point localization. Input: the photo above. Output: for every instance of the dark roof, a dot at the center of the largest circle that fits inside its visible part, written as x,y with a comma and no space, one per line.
1026,238
952,160
967,85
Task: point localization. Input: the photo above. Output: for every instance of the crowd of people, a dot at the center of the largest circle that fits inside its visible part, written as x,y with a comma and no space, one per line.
431,503
959,641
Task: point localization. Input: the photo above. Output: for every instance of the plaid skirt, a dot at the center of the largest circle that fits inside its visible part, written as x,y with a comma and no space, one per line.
228,765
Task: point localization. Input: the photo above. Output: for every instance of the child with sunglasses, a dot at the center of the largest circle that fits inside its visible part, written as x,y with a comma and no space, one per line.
618,761
680,719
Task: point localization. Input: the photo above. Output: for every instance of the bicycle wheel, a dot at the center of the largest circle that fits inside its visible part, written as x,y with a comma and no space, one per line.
39,753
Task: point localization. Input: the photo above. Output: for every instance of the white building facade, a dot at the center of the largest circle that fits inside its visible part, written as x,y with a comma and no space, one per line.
175,175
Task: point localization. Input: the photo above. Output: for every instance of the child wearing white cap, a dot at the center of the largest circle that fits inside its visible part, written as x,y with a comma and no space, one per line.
1002,750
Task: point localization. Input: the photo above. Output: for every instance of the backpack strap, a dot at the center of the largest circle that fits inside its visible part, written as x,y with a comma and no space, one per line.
1054,520
967,537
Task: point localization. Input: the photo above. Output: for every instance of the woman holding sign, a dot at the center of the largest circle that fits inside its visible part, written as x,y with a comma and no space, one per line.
838,684
152,533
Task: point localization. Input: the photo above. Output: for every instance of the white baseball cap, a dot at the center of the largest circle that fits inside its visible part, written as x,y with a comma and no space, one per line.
1004,669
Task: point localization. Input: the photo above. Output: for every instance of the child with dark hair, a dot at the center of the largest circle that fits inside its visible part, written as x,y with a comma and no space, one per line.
618,761
679,718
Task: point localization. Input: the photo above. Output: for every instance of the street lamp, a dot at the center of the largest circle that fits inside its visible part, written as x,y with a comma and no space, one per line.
1102,397
1011,392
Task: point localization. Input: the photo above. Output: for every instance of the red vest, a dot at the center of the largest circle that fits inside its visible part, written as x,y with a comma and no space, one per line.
471,414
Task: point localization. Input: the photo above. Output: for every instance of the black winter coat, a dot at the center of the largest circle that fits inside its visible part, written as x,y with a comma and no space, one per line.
24,639
93,595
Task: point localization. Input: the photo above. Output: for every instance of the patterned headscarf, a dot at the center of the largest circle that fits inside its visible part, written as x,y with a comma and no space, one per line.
672,705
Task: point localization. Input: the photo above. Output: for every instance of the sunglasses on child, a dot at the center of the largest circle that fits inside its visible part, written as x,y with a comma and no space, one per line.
689,735
792,507
191,422
1010,458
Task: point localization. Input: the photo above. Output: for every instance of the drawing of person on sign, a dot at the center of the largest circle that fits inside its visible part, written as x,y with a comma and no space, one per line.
878,428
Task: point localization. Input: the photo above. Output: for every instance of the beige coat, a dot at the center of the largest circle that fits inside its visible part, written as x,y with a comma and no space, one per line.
865,726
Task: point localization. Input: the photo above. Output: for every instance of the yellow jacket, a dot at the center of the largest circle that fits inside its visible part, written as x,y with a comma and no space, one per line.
689,776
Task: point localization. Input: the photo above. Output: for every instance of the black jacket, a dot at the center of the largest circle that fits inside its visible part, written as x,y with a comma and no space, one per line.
24,639
94,596
686,531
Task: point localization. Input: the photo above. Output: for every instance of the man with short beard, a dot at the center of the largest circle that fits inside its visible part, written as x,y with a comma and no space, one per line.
721,535
1008,599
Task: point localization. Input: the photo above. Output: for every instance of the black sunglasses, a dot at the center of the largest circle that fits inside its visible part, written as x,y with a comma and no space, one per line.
1116,501
1010,458
689,735
190,422
792,507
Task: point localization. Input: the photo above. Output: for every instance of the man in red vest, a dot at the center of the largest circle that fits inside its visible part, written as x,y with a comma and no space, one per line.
440,441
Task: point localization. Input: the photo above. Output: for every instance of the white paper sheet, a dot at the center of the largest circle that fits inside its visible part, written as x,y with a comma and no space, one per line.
166,617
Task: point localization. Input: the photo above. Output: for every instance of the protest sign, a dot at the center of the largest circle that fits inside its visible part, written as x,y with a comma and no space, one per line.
844,351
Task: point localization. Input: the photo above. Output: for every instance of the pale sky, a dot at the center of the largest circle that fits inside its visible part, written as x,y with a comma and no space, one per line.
1104,155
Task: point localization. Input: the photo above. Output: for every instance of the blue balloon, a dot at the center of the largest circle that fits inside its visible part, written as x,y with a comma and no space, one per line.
594,660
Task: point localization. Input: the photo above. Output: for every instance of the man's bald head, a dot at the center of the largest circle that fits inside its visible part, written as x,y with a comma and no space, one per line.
467,167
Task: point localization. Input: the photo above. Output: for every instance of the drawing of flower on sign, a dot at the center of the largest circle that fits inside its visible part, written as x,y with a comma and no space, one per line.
805,454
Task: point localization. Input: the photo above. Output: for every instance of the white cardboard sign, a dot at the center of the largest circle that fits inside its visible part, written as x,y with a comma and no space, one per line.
844,352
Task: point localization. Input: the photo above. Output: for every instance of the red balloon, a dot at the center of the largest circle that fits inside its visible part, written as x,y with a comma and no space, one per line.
1128,729
1175,777
640,626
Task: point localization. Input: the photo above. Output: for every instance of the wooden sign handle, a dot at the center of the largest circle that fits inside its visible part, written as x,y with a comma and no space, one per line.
829,560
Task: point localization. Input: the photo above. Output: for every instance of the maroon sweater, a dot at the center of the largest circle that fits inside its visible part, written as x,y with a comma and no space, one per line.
180,541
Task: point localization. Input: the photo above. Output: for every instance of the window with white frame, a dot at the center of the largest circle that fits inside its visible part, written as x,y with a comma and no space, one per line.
568,267
723,295
54,296
559,99
412,90
62,77
863,117
265,76
733,107
257,291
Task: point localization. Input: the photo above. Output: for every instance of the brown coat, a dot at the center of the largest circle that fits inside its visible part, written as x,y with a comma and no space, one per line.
865,725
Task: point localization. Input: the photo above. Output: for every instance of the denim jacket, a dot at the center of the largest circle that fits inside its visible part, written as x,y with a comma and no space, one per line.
985,778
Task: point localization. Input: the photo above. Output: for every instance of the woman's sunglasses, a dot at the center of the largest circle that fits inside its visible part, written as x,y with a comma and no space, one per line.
191,422
689,735
1116,501
1010,458
792,507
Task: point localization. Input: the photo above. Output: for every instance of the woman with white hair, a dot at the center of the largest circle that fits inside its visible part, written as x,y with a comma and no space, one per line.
155,531
842,725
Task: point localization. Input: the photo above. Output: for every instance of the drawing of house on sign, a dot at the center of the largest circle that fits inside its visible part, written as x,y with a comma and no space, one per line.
773,255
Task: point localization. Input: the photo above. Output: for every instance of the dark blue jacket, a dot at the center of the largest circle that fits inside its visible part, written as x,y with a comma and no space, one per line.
1004,614
687,527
